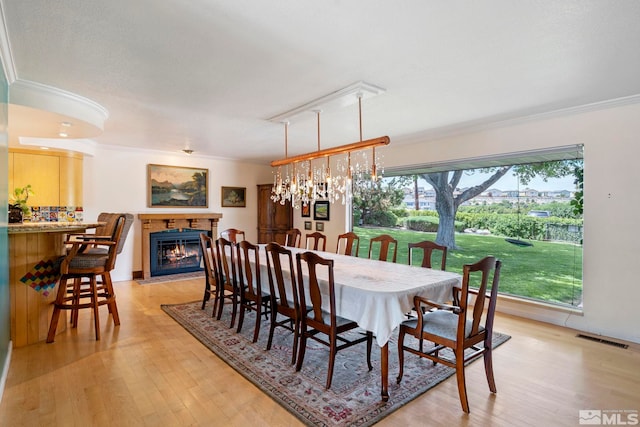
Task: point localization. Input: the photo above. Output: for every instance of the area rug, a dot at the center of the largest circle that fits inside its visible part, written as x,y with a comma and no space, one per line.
354,396
171,277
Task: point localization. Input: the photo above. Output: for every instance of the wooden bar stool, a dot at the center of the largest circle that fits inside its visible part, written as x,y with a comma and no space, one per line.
79,286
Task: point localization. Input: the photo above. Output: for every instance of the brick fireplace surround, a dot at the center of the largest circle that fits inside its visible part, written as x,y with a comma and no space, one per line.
152,223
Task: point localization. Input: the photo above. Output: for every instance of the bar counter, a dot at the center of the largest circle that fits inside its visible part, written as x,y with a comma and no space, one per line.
31,243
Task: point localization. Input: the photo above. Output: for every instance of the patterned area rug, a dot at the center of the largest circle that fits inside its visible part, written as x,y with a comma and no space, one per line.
354,397
171,277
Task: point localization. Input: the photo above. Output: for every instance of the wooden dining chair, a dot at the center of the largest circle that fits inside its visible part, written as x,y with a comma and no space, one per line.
226,257
233,235
212,275
459,326
386,243
428,248
284,294
318,321
348,244
292,238
316,241
251,295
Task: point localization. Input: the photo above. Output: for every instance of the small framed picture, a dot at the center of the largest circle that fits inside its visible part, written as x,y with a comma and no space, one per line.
306,210
321,210
233,197
307,225
319,226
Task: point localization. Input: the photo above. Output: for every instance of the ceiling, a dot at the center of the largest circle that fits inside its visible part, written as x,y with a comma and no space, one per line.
208,75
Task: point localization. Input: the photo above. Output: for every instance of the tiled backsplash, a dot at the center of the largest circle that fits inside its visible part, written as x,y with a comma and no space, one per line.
56,214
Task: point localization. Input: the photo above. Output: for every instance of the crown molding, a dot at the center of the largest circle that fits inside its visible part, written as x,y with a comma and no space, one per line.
6,56
37,95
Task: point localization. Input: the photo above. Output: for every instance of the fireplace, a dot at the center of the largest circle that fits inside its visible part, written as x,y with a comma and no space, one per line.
175,251
167,224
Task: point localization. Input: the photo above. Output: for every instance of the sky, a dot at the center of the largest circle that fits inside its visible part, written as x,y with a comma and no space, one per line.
510,182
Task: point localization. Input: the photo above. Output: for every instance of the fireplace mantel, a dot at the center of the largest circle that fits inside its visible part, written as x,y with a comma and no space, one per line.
152,223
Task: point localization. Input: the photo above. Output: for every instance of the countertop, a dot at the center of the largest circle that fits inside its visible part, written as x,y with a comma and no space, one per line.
50,227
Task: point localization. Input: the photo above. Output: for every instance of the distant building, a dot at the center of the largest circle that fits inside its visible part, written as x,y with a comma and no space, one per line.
427,197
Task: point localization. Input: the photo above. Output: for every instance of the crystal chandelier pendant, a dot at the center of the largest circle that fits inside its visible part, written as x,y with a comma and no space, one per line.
312,177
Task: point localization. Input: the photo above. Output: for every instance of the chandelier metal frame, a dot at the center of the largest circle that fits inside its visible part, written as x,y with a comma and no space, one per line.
301,182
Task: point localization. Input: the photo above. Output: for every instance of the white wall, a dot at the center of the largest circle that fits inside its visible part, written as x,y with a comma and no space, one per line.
115,180
611,139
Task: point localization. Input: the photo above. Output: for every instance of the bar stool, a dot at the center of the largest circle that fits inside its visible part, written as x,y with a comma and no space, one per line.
79,277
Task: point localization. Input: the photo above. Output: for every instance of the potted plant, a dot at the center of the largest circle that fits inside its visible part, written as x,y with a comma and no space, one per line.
18,203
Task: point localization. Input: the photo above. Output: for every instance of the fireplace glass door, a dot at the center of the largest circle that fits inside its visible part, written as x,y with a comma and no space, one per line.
175,251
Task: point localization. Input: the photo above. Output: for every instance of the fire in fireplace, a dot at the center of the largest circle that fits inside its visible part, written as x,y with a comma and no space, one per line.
175,251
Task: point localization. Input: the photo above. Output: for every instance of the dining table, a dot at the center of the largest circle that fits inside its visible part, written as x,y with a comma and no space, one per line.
377,295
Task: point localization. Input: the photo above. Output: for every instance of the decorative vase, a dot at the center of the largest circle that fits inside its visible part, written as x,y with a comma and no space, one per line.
15,214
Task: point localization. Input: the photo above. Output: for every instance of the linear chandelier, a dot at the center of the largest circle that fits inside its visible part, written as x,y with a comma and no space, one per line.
306,178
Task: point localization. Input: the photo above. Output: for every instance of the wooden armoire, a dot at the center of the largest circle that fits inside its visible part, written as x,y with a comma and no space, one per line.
274,219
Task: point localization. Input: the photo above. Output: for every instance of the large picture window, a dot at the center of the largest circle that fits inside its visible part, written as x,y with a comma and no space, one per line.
525,210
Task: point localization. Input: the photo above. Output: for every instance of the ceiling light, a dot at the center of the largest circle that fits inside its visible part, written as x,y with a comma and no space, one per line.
304,181
65,124
187,151
63,134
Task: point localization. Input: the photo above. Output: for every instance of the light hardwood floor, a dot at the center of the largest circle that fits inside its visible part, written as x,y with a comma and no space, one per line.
151,372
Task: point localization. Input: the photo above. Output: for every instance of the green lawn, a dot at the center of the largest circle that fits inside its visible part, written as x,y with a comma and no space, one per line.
546,271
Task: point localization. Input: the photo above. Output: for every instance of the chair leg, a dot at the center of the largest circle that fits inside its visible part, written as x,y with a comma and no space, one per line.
243,308
462,386
207,292
75,301
113,308
332,359
400,354
94,301
296,342
221,303
272,326
256,330
369,345
234,308
216,300
488,369
302,346
62,291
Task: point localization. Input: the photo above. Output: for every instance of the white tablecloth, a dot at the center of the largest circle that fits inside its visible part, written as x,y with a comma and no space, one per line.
378,294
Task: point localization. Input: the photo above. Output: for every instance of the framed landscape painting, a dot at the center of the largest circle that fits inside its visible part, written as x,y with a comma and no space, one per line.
233,197
321,211
177,187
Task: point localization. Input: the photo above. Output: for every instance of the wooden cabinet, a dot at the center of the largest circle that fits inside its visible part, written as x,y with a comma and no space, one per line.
274,219
56,178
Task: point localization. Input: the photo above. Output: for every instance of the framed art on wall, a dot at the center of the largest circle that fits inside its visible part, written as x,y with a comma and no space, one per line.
319,226
307,225
305,210
177,187
233,197
321,211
